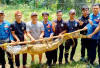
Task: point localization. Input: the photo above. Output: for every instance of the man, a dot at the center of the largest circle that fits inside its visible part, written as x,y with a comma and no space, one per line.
97,31
48,33
18,30
59,28
90,28
83,20
5,37
72,26
35,30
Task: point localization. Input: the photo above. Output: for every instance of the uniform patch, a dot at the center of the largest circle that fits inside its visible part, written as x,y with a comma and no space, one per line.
76,25
22,28
62,25
48,26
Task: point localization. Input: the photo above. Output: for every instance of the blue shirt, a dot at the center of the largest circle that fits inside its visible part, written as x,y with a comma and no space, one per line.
72,25
91,28
5,31
47,28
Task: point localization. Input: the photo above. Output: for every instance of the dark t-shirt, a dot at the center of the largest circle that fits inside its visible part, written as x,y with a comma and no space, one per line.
85,20
19,29
72,25
60,26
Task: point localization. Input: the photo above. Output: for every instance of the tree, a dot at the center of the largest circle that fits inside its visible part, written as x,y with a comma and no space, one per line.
78,5
60,4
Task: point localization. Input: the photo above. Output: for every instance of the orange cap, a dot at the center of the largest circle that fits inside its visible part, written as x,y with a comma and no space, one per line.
18,13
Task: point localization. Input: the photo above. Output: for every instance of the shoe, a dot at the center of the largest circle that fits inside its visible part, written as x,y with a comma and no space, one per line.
66,62
48,66
83,59
53,64
72,60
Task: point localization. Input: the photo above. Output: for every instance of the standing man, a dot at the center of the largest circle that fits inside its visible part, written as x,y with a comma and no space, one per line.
18,30
59,28
83,20
5,37
97,32
35,30
90,28
48,33
72,26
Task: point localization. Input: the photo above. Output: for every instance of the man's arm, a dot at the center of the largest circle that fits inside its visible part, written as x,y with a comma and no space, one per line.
53,26
63,32
28,32
95,31
42,34
29,35
15,36
25,36
13,32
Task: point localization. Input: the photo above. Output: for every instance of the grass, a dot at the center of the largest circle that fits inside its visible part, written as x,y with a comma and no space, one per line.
26,10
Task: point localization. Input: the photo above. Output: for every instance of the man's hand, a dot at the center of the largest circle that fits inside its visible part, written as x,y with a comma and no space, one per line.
51,37
90,35
60,34
18,40
25,39
13,42
90,22
41,37
81,23
32,40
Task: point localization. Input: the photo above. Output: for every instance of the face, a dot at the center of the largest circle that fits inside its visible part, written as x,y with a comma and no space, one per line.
1,16
95,9
85,12
72,16
18,17
34,18
59,15
45,17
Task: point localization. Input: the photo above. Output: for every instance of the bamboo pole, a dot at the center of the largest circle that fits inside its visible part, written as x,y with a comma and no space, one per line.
28,42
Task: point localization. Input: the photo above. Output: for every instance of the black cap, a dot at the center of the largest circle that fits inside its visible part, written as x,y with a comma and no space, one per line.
34,14
1,11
